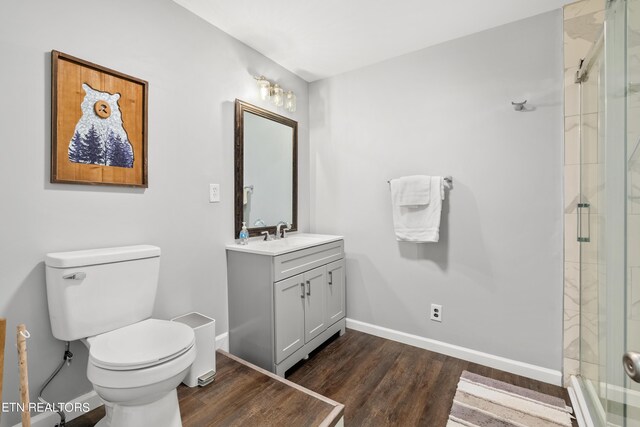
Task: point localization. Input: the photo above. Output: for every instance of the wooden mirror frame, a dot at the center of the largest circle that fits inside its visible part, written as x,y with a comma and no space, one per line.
240,108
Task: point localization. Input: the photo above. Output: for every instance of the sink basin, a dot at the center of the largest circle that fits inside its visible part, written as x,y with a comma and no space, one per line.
293,242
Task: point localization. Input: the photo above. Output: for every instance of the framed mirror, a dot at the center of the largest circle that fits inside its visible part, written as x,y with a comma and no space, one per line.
266,169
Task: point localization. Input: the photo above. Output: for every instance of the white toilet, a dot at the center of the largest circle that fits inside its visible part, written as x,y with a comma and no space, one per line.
105,298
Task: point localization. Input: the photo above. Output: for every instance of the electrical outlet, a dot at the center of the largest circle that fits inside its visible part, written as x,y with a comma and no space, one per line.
214,193
436,312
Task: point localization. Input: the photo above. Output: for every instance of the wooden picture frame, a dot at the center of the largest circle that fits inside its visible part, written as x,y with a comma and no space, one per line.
98,124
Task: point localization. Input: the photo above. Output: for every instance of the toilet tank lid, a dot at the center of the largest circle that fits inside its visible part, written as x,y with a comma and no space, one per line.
100,256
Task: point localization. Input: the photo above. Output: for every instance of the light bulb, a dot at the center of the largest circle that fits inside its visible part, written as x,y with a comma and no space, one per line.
277,95
264,87
290,101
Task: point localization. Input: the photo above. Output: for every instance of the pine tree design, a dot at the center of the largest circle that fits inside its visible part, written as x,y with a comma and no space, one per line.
100,140
76,149
95,148
119,152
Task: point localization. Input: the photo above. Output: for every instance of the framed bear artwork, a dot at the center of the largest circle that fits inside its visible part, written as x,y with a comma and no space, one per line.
98,124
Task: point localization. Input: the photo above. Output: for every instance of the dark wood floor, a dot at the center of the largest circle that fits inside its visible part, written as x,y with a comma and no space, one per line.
244,395
385,383
380,382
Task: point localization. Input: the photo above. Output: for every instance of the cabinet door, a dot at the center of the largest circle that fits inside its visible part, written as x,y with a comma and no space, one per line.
335,292
314,306
289,298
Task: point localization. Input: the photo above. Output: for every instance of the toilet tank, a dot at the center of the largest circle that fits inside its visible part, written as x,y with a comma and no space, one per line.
94,291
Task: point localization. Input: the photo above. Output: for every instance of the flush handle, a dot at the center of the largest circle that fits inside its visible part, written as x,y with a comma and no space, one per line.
631,363
75,276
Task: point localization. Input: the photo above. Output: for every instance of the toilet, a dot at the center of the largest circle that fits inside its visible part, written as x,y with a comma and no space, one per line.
105,298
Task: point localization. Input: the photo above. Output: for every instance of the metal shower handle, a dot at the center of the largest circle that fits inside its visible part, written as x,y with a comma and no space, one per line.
581,206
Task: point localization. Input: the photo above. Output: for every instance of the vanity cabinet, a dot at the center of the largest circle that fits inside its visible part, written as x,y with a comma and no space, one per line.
299,311
283,306
336,291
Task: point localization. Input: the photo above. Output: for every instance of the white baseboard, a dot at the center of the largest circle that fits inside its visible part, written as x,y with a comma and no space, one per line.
222,342
48,419
515,367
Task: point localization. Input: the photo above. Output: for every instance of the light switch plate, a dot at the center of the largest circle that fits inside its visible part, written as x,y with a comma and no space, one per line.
214,193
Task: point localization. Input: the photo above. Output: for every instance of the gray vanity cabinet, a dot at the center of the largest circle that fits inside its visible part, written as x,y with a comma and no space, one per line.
289,316
335,292
299,311
284,306
315,319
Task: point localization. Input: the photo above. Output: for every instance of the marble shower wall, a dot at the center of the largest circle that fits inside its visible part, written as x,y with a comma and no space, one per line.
582,26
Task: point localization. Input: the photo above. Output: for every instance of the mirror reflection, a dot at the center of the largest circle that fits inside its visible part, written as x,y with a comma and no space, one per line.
266,169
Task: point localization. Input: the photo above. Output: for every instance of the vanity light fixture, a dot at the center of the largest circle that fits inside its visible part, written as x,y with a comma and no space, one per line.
278,96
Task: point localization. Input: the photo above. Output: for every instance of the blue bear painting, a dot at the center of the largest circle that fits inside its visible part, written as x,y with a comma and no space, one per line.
99,137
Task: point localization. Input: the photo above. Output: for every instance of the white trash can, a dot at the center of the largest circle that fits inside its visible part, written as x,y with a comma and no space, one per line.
203,369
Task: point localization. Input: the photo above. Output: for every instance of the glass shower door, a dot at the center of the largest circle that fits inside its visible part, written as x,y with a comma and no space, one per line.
609,219
632,232
617,216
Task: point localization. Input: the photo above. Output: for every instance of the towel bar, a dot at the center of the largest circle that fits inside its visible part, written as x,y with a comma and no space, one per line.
447,178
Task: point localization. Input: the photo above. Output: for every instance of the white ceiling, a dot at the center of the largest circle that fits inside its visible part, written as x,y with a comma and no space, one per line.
321,38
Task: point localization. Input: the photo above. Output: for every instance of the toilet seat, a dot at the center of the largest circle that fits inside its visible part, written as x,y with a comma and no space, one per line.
141,345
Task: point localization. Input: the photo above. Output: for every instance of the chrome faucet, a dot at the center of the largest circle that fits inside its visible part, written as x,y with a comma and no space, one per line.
284,230
282,234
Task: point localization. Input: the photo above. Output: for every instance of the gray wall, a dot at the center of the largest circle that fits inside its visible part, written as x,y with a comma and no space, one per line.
195,72
445,110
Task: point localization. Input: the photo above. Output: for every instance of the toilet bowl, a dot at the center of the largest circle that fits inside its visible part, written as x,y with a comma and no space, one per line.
136,369
105,298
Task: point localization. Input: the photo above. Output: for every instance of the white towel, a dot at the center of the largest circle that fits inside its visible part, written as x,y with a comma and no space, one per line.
420,223
414,190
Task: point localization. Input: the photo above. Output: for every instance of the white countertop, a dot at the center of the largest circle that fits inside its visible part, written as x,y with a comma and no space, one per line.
293,242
